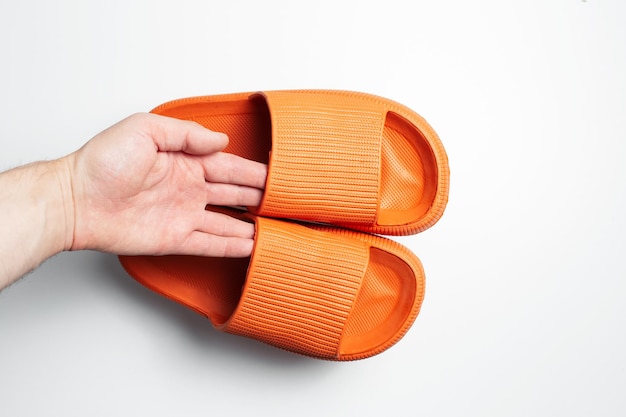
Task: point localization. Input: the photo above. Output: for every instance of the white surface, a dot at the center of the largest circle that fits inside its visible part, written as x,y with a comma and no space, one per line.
524,311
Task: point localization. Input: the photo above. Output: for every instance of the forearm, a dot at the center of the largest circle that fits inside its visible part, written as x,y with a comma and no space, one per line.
36,216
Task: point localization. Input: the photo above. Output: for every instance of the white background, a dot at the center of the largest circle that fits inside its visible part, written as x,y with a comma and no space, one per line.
524,312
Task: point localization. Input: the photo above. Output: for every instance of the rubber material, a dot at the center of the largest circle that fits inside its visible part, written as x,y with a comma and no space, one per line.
319,291
345,158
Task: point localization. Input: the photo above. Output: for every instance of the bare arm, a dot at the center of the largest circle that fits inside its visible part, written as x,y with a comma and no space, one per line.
139,187
35,216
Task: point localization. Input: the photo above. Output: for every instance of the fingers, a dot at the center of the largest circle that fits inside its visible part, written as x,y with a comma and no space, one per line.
233,181
220,235
172,135
175,135
221,224
232,195
202,244
226,168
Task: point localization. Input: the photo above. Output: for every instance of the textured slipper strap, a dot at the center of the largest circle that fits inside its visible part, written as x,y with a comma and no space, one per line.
300,288
326,156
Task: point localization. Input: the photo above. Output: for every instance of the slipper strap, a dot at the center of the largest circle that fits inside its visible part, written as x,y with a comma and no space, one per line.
300,288
325,158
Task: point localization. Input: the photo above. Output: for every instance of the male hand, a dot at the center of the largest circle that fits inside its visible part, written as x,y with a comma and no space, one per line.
142,185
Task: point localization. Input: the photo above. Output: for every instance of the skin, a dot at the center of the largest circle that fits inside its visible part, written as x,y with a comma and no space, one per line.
138,188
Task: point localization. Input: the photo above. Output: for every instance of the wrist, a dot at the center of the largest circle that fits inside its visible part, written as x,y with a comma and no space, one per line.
61,213
49,189
36,203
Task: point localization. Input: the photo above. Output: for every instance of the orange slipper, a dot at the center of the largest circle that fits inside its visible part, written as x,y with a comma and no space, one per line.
323,292
350,159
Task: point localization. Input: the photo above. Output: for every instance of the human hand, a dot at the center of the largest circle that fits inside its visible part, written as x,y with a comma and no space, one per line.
142,185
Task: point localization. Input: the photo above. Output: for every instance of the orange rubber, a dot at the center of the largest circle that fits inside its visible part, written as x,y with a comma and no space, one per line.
349,159
319,291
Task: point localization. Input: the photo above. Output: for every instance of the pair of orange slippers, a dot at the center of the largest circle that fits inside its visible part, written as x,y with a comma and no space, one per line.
343,169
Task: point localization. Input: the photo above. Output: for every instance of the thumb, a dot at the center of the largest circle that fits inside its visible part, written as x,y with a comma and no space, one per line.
173,135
